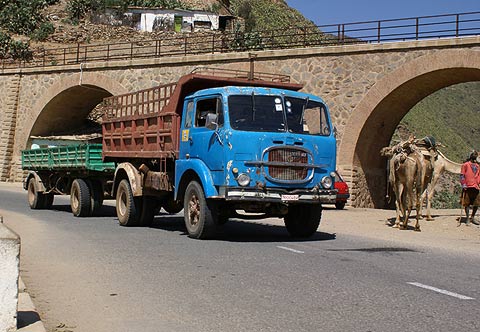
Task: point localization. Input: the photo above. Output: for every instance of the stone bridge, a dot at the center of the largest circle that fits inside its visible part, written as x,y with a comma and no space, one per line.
368,87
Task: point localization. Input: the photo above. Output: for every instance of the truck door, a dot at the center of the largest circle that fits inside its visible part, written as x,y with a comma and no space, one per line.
202,135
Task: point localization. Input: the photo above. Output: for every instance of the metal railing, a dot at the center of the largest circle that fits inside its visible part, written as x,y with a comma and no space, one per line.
414,28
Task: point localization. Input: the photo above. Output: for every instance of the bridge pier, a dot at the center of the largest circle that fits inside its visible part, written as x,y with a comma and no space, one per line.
8,127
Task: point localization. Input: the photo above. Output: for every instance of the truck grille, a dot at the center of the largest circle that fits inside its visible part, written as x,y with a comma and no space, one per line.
288,168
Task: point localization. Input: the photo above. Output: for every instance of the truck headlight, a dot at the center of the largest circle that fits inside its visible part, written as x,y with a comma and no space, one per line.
327,182
243,179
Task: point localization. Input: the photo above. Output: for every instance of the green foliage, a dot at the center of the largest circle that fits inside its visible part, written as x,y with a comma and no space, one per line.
14,49
43,31
78,9
20,50
452,116
5,41
268,15
446,199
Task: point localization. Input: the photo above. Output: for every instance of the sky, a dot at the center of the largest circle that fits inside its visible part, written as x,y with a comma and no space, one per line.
323,12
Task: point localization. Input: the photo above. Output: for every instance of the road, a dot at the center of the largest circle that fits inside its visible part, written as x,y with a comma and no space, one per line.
355,274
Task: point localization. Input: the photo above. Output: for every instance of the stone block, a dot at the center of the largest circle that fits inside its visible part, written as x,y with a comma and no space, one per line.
9,272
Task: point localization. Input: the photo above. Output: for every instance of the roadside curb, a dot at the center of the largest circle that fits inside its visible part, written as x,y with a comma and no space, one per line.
28,319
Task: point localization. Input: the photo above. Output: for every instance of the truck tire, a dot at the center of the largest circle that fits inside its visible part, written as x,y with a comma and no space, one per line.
36,200
149,209
128,207
199,219
80,198
302,220
97,196
172,206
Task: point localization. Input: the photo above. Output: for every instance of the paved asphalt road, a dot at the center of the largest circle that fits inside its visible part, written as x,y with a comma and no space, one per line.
90,274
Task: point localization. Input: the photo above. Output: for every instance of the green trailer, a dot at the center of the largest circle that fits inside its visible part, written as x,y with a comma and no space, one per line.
77,170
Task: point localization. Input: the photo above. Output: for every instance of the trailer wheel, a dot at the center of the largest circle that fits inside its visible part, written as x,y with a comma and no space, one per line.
128,207
97,195
36,200
80,198
199,219
48,200
302,220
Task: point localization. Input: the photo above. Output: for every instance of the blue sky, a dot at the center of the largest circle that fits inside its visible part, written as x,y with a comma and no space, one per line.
323,12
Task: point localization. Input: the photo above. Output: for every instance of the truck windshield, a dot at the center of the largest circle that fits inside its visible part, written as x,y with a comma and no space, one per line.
277,114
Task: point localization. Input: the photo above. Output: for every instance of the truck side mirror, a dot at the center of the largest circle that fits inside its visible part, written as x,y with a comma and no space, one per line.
211,121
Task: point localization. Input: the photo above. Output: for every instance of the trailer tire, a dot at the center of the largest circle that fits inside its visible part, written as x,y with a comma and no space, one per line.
80,198
97,195
36,199
128,207
48,200
302,220
199,219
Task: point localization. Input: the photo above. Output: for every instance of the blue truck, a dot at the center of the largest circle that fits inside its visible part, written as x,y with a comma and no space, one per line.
220,145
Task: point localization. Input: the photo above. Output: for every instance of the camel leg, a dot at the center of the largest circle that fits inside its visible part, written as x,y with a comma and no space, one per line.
418,206
430,193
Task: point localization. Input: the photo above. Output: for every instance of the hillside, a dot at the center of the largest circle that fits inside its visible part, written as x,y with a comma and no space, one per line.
452,116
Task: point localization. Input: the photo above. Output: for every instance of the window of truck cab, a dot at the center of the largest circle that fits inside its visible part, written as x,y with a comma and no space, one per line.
278,114
206,106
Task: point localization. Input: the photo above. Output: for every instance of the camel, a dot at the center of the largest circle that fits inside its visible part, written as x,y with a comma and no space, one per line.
434,165
440,165
406,178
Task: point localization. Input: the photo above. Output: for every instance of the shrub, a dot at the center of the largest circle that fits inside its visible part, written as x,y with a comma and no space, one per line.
5,41
78,9
22,17
20,50
42,33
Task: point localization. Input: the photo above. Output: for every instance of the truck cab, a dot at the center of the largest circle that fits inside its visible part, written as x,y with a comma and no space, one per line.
259,150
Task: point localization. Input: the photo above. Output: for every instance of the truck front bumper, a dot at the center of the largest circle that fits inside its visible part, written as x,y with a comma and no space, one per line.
280,195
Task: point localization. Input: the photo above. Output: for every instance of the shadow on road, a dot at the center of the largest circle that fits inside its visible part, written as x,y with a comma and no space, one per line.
240,230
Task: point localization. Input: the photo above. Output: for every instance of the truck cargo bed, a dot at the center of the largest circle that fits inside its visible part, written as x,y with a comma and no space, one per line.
82,157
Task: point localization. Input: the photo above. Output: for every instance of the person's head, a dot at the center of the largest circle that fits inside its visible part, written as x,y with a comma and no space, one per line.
473,156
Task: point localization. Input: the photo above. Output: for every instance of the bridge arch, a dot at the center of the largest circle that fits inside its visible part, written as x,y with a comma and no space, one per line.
68,102
373,122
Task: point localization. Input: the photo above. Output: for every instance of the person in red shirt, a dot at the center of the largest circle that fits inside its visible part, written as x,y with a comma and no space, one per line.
470,181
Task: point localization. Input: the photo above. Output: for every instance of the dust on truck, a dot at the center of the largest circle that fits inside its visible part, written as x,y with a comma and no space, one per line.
221,145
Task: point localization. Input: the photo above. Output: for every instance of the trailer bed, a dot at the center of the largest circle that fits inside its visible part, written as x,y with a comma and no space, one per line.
81,157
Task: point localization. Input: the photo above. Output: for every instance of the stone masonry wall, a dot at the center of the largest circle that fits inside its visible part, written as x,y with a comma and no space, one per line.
341,75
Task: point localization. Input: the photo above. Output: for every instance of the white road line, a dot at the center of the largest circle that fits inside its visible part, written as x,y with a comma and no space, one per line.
441,291
290,249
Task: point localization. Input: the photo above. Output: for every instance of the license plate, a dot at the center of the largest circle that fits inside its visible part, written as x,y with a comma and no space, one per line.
289,197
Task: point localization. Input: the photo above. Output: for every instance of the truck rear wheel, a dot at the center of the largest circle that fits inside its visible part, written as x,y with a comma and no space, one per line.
302,220
171,206
199,219
129,208
80,198
36,200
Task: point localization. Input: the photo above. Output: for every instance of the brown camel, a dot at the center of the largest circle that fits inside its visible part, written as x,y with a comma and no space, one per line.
434,165
406,179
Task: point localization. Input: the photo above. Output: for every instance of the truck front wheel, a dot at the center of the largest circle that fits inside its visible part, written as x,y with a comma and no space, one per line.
80,198
199,219
303,220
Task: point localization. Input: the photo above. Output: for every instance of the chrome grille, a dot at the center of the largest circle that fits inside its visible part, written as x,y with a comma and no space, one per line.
290,171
